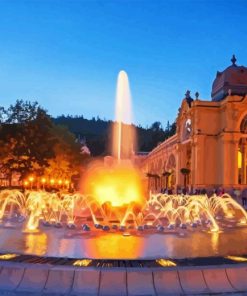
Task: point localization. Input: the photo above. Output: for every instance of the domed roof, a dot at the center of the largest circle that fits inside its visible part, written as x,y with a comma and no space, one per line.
233,80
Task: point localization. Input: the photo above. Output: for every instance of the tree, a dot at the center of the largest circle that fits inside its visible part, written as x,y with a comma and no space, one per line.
26,139
157,134
168,126
97,133
68,157
156,126
2,114
170,130
173,128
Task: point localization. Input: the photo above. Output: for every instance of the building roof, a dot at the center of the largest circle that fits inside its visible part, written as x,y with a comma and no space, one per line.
232,81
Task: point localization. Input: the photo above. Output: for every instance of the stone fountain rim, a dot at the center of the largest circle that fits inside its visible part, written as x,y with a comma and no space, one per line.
181,263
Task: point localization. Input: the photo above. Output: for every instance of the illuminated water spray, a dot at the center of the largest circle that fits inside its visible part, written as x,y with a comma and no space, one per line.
107,183
124,138
113,194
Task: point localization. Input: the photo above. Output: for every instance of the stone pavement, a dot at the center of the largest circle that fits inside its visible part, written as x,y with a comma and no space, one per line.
45,279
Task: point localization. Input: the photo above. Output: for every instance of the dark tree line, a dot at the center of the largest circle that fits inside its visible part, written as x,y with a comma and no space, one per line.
33,142
30,142
97,132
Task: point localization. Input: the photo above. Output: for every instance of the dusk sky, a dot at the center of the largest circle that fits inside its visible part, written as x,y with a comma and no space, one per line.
67,54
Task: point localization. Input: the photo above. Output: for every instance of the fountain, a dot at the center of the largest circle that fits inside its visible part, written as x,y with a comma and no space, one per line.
124,136
118,171
113,217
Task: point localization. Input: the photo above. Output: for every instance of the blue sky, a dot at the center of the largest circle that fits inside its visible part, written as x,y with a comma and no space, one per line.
67,54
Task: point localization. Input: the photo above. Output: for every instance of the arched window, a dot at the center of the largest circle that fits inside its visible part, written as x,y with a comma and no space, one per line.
243,126
169,173
171,163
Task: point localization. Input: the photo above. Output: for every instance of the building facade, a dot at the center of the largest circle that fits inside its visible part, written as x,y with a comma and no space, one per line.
210,145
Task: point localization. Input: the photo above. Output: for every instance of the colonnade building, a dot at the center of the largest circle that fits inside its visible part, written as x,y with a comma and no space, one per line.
210,145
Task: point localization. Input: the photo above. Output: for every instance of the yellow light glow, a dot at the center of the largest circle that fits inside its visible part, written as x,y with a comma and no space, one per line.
35,243
229,215
108,246
126,234
66,182
236,258
52,181
215,241
119,185
60,182
213,230
31,178
30,229
242,222
25,183
83,262
239,160
165,262
7,256
43,180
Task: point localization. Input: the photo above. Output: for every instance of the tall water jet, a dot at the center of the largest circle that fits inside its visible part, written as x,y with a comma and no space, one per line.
124,136
117,182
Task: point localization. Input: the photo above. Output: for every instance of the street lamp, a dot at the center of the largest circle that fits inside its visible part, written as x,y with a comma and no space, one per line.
43,180
52,181
67,183
31,178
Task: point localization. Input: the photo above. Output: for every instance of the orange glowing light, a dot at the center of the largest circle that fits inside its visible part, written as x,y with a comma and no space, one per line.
165,262
66,182
83,262
60,182
43,180
242,222
237,258
52,181
25,183
111,245
119,185
35,242
239,160
31,178
7,256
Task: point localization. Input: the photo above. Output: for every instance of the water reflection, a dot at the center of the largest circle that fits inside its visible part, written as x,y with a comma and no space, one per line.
215,241
67,246
115,246
36,243
98,244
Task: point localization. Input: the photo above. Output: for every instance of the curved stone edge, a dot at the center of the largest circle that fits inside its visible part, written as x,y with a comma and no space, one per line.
237,277
34,279
49,279
11,277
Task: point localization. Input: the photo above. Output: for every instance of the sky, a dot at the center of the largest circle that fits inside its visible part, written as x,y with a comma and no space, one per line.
67,54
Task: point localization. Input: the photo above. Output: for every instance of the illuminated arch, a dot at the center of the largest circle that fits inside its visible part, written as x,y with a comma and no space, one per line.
240,121
171,163
170,169
241,153
243,125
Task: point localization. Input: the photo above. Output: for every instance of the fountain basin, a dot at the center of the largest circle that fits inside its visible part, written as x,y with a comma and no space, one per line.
112,244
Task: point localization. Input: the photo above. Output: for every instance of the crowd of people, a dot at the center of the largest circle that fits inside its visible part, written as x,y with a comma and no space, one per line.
237,194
